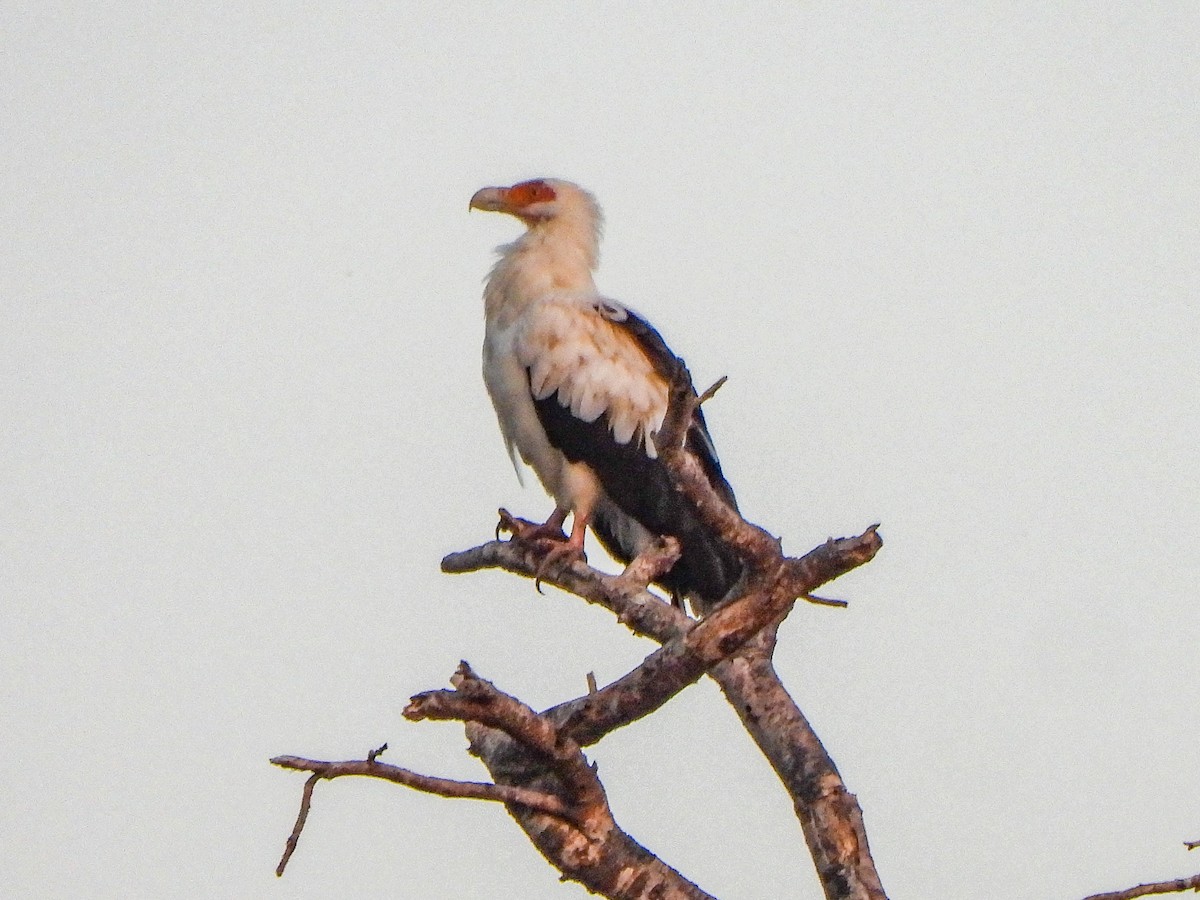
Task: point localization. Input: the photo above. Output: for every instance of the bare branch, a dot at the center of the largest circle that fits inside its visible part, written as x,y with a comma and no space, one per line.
830,817
712,391
759,549
476,700
294,838
542,778
641,611
1159,887
829,814
522,748
824,601
428,784
568,817
698,647
541,801
599,855
652,563
689,648
835,558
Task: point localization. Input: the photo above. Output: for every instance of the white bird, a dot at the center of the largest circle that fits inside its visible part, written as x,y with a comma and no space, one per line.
580,385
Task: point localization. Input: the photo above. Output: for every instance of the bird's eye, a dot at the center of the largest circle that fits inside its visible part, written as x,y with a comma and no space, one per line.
533,192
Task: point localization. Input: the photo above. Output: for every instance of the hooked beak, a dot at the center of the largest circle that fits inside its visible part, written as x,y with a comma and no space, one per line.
490,199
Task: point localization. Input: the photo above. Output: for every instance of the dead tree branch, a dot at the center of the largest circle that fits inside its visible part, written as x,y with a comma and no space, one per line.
443,787
1143,890
478,701
685,657
625,595
429,784
294,838
829,815
734,643
756,547
557,798
1174,886
551,789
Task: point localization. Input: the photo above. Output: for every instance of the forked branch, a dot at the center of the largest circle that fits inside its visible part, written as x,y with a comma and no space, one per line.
536,759
429,784
551,789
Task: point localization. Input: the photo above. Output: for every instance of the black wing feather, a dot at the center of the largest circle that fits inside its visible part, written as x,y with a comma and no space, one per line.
641,486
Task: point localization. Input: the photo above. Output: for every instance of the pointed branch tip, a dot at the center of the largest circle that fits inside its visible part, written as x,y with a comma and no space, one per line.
825,601
712,391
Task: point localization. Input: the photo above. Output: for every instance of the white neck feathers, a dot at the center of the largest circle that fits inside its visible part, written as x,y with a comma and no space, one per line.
555,257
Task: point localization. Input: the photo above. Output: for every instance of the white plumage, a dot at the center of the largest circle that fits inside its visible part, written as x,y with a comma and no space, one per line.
580,385
548,331
572,349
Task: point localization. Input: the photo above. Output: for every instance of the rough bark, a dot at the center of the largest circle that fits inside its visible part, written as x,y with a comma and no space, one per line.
829,814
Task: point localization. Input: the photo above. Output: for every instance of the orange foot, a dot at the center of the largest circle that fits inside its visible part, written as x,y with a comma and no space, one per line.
560,555
531,532
548,538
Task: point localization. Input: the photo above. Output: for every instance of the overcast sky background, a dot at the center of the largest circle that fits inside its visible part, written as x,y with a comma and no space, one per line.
947,254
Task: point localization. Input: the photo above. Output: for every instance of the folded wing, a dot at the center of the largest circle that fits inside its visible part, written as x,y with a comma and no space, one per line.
599,376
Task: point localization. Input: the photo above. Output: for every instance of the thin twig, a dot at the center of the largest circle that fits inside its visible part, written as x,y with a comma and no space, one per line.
294,837
824,601
1158,887
712,391
429,784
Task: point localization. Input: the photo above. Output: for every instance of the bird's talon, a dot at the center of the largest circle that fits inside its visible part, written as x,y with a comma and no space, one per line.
507,523
524,531
557,554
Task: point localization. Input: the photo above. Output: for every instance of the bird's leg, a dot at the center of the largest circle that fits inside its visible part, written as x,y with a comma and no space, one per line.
569,550
549,535
524,530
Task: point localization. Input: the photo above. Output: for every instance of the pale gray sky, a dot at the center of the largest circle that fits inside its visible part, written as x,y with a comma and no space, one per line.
947,254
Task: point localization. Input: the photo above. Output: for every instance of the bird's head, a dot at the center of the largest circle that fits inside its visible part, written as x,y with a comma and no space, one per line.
539,201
